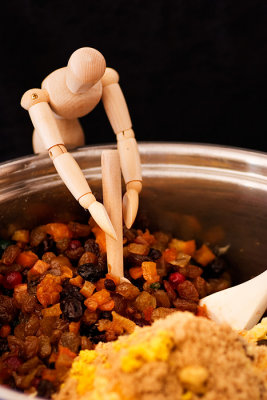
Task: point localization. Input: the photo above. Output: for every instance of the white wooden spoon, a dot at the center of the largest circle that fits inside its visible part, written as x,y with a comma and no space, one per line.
240,306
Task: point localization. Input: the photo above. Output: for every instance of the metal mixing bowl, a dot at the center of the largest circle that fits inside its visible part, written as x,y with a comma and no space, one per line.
210,193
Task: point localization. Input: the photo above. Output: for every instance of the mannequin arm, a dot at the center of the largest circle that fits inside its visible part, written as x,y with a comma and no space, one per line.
36,102
118,115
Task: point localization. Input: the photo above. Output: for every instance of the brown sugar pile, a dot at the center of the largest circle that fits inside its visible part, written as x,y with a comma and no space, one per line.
181,357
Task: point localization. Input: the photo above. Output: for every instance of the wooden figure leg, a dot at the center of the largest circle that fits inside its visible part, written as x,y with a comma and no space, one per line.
111,183
36,102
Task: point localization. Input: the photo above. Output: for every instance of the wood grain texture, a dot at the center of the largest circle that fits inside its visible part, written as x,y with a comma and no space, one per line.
116,108
129,159
110,76
85,68
71,133
66,104
71,174
111,183
44,122
34,96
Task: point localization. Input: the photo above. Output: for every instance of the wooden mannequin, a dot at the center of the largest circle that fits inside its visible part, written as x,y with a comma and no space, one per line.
70,93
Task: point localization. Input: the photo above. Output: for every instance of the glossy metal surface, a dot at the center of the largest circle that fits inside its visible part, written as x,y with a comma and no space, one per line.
213,193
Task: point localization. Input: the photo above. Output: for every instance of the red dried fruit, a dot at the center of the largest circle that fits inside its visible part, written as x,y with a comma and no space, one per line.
12,279
176,278
13,363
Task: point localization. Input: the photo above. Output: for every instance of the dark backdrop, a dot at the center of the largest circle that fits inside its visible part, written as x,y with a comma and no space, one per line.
191,70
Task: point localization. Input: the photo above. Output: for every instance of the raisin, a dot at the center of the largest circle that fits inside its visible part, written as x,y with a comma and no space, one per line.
7,309
93,334
10,254
102,263
191,271
45,389
129,234
45,348
37,236
31,346
201,286
79,230
32,326
74,254
3,346
127,290
120,303
154,254
86,343
144,301
137,259
71,341
187,291
110,285
92,246
70,290
139,283
106,315
48,245
215,268
170,291
88,257
162,299
90,317
71,309
185,305
4,244
90,272
15,345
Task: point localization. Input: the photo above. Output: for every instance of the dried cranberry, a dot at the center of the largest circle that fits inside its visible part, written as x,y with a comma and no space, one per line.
12,279
45,389
110,285
13,363
90,272
71,309
155,254
176,278
74,244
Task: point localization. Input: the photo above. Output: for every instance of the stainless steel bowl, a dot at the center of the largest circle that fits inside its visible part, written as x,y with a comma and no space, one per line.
212,193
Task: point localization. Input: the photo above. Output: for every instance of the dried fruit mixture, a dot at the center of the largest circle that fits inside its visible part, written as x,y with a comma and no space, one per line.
57,296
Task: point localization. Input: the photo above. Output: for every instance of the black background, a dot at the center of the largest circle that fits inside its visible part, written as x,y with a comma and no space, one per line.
191,70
